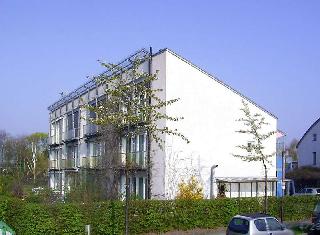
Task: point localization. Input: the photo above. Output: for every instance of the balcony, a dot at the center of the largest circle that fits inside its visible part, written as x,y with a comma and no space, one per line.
53,164
136,159
90,130
55,140
68,164
72,134
93,162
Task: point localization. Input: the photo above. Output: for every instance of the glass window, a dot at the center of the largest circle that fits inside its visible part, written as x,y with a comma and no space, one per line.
76,119
261,224
69,122
239,225
134,186
141,188
52,130
141,149
273,224
250,146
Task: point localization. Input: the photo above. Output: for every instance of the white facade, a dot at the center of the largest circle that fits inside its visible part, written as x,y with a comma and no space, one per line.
308,148
210,110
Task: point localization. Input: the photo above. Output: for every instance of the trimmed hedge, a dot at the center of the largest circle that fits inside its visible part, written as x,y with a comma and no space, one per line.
145,216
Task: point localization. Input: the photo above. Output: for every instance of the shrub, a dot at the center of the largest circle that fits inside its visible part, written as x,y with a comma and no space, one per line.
144,216
190,190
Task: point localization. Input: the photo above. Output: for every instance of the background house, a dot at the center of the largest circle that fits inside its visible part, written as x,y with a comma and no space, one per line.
308,147
210,109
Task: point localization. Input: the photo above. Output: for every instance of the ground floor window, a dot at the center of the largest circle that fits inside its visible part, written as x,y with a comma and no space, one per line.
254,188
137,184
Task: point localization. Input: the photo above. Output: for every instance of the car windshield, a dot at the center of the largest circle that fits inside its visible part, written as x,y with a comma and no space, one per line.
239,225
273,224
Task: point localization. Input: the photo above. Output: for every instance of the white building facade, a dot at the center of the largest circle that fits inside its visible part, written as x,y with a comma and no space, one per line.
308,147
210,109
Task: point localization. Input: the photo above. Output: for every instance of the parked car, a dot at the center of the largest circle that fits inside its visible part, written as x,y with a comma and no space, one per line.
256,224
316,213
308,191
315,228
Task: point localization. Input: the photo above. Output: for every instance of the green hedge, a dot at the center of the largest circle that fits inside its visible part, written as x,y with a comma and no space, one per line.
145,216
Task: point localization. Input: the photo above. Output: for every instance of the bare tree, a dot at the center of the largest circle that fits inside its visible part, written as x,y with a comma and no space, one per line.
180,167
255,149
292,149
3,137
132,106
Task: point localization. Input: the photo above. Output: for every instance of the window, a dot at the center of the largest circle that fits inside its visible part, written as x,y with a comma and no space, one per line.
314,137
314,155
274,225
239,225
51,129
69,121
141,187
261,224
250,146
76,119
142,149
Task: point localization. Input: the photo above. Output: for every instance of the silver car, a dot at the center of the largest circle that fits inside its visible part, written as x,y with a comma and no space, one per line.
256,224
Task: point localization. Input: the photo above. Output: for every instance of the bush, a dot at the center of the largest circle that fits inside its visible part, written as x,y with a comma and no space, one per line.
190,190
144,216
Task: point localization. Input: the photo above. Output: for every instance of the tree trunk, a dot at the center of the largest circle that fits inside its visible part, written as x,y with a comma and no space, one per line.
265,189
127,199
127,183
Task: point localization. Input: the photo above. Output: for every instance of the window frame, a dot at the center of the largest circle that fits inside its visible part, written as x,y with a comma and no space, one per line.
314,137
265,224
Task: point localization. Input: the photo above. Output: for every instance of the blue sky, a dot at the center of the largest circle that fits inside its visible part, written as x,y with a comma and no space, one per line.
268,50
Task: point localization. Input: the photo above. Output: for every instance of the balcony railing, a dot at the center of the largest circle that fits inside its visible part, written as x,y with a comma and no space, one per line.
72,134
90,129
68,163
55,139
136,159
53,164
93,162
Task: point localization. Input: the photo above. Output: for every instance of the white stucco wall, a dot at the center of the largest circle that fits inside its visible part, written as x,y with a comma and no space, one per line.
158,156
210,111
307,146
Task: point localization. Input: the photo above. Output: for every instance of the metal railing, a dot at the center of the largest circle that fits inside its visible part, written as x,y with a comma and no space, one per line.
72,134
90,129
126,63
67,163
136,159
55,139
54,164
93,162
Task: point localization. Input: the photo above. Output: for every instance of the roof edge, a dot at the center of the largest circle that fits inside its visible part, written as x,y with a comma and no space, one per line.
315,123
217,80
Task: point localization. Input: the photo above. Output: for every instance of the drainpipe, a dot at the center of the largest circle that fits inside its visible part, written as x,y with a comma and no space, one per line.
211,180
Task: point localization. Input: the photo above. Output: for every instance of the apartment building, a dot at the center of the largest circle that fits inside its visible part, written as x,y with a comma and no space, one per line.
210,109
